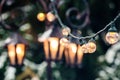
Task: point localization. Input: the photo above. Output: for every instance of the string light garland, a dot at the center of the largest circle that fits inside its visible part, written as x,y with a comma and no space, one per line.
65,26
73,44
111,37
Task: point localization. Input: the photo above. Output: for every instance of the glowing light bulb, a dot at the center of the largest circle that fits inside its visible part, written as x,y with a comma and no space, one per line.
85,48
41,16
112,37
91,47
50,16
64,41
66,31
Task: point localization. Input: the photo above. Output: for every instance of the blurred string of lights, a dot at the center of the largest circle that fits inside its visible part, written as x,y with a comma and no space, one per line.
111,37
74,51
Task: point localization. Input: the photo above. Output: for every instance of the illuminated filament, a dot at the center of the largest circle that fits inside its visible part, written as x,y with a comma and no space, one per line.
112,37
85,48
91,47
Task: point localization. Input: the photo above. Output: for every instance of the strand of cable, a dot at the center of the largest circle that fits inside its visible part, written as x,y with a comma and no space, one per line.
86,37
57,16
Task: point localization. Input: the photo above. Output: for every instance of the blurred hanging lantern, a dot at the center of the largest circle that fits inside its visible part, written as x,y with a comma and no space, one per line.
50,16
53,50
16,46
16,50
112,36
41,16
73,54
91,46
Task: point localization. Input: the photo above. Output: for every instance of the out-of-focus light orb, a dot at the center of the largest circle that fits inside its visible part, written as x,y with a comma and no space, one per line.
112,37
85,48
64,41
66,31
91,47
41,16
50,16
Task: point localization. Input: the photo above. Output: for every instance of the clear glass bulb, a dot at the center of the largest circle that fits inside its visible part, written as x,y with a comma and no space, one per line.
112,37
50,16
91,47
66,31
85,48
64,41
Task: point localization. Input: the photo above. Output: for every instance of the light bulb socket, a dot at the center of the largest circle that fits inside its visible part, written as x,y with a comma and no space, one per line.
82,41
112,28
92,40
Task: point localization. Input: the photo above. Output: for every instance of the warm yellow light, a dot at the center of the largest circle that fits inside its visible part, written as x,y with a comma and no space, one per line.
54,42
61,49
91,47
112,37
46,49
41,16
64,41
20,51
85,48
79,54
16,52
51,46
72,52
66,31
50,17
11,53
